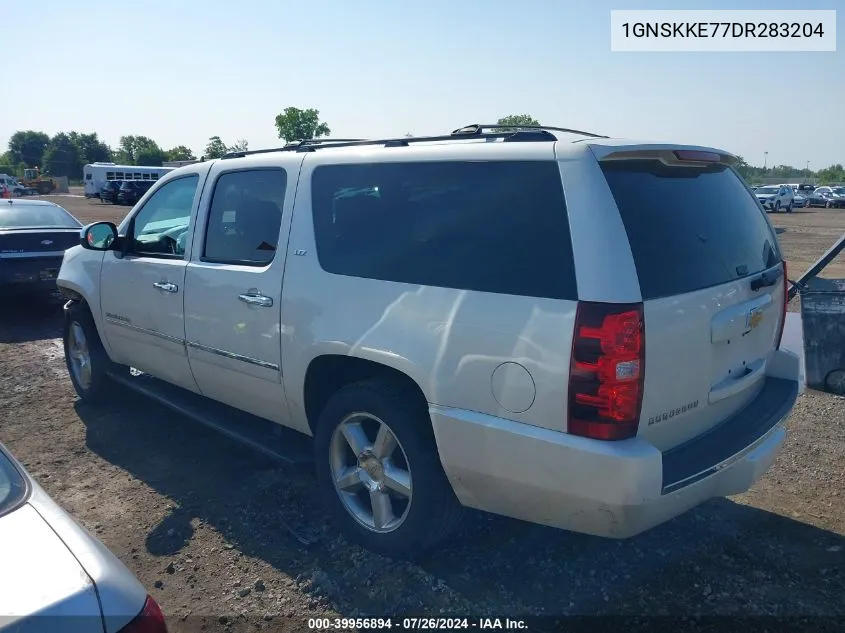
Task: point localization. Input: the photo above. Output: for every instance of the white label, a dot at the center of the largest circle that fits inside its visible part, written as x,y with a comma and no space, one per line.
714,31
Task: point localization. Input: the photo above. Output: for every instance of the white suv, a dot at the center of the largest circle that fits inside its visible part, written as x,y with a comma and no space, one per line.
580,333
776,198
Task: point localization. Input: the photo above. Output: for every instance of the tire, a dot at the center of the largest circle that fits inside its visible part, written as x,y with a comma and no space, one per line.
777,207
81,342
828,205
789,208
421,516
834,382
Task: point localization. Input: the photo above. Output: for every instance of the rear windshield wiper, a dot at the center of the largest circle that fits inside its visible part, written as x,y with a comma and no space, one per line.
768,278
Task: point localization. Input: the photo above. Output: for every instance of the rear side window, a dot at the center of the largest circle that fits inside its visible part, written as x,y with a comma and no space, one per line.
498,226
689,227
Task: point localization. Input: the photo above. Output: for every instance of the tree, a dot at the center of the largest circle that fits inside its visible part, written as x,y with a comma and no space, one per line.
139,150
294,124
241,145
61,158
515,119
28,147
90,148
180,152
215,148
151,155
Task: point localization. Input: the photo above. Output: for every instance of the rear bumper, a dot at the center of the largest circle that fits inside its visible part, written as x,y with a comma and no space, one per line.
21,276
611,489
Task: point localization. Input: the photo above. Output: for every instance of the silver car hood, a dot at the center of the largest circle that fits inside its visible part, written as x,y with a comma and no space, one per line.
43,588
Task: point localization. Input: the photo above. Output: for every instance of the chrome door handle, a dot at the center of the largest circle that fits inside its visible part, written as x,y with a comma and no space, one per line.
257,300
166,286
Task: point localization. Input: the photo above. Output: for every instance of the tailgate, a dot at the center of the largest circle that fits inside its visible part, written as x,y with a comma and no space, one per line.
712,282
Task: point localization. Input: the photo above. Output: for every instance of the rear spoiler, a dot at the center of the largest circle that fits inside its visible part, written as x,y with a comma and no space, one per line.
666,154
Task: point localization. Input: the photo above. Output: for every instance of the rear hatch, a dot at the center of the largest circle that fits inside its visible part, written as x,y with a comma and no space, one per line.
711,276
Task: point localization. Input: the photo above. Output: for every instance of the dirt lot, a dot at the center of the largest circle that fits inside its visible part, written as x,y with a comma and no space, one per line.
199,519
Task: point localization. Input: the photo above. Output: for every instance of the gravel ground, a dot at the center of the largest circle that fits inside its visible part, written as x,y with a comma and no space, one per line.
200,519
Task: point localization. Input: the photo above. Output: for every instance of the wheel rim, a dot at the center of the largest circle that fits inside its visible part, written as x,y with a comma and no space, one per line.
79,356
370,472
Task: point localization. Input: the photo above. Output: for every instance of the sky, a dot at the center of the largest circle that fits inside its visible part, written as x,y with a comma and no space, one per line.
180,71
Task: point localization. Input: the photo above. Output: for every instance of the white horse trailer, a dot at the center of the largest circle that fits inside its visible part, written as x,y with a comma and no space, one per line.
96,175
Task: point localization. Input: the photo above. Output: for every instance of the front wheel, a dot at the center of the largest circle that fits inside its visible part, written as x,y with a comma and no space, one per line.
87,362
789,208
379,470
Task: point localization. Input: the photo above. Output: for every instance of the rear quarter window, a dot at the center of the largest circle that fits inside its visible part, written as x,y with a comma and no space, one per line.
490,226
690,227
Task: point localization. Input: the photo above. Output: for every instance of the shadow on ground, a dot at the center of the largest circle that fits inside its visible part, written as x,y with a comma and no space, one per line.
722,558
30,319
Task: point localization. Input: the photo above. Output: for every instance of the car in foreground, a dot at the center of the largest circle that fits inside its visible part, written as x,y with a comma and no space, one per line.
109,191
54,575
132,190
509,320
34,235
776,198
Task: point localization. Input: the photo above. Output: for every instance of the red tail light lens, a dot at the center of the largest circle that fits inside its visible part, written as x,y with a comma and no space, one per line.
607,371
785,305
150,620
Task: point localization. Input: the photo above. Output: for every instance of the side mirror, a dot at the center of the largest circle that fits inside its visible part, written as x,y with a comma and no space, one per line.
99,236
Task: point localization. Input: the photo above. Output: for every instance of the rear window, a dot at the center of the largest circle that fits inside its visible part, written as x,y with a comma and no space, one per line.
690,227
32,216
498,226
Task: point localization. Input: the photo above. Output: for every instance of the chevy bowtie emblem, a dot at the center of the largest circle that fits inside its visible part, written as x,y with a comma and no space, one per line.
46,242
755,315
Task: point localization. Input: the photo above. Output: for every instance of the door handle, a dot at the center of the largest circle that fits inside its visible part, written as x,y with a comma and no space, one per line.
166,286
257,300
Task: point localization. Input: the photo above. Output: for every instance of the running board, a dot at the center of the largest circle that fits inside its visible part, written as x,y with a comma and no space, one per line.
269,438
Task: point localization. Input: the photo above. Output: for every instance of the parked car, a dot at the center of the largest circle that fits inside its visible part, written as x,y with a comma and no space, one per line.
12,186
825,197
132,190
55,575
108,193
33,237
459,323
799,201
776,198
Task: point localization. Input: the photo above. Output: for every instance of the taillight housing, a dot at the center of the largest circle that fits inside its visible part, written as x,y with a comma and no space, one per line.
785,305
606,371
150,620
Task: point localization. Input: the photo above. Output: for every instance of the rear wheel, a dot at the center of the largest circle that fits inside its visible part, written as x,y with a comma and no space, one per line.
379,470
87,362
828,205
777,207
835,382
790,207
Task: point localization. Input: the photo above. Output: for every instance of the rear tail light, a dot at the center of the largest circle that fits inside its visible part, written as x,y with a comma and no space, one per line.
606,371
697,156
150,620
785,305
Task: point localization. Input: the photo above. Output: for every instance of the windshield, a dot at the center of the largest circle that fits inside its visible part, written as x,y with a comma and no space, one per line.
12,485
35,216
769,190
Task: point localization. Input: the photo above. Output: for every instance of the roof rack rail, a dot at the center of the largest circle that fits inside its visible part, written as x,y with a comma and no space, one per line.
293,145
508,133
478,128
